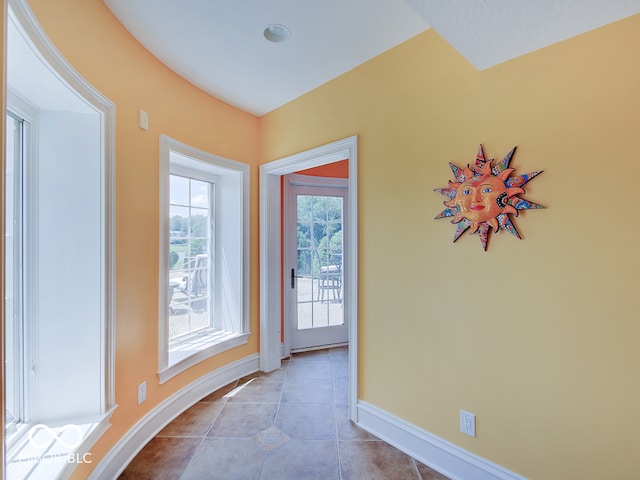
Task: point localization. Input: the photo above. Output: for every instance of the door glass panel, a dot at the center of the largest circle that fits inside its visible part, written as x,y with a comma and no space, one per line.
320,261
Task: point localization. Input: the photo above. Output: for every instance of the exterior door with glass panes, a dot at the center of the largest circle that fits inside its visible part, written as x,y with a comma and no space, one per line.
315,216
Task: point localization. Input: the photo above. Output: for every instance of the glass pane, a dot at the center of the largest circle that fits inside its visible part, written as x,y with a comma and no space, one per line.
178,221
305,264
178,190
199,222
199,194
190,244
304,208
189,293
198,246
12,276
320,272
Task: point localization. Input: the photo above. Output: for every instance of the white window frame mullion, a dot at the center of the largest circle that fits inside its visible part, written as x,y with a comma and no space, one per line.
213,257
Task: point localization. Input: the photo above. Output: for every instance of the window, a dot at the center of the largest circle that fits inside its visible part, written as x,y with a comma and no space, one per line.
17,130
58,260
204,256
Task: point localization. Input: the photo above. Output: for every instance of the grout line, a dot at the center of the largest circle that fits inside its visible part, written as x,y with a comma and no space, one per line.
415,468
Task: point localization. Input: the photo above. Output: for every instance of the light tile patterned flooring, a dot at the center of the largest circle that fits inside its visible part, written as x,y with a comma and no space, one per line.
289,424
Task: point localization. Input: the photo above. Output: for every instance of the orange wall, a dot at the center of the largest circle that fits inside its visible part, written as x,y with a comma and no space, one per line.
333,170
105,54
537,337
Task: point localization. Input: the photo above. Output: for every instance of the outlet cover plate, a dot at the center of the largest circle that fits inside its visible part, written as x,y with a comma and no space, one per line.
142,392
468,423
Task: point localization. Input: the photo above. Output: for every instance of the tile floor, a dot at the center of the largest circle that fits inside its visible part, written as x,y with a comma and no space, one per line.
288,424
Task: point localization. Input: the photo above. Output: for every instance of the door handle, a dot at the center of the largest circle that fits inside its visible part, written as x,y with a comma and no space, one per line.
293,278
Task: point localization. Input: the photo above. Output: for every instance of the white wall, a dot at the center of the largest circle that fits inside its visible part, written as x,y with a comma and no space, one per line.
69,265
229,250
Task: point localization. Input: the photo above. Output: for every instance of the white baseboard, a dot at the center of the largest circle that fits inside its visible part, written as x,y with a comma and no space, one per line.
445,457
116,460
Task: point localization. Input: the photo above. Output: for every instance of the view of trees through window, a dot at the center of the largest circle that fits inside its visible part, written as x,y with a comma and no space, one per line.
188,237
319,233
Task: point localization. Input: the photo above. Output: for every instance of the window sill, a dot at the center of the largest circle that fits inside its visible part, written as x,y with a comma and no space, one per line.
54,450
188,353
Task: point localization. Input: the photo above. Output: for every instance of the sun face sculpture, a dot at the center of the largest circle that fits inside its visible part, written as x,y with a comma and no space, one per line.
483,197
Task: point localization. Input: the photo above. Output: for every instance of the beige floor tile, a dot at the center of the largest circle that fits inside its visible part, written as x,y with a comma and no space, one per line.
312,422
427,473
219,395
163,458
226,459
320,369
375,461
291,424
303,460
243,420
308,390
194,422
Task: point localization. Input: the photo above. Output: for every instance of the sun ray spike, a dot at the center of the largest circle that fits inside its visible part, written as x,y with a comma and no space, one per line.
480,160
483,233
457,172
447,212
504,163
462,227
506,224
519,180
447,192
520,204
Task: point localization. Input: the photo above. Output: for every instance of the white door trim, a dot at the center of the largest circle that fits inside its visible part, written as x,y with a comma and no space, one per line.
270,255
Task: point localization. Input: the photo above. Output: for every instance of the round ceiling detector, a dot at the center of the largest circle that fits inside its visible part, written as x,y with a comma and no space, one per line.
276,33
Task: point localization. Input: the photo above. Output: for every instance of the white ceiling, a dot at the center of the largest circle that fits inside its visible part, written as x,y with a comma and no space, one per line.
218,45
488,32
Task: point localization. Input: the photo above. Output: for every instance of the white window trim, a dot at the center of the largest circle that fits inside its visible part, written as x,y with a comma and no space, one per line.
176,358
27,22
20,14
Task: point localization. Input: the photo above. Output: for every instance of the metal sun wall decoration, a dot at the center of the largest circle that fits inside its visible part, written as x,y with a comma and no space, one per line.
483,197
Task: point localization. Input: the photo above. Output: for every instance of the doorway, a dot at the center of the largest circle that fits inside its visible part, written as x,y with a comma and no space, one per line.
315,253
271,262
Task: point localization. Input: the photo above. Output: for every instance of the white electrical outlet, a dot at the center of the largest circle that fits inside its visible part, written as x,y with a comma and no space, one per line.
468,423
142,392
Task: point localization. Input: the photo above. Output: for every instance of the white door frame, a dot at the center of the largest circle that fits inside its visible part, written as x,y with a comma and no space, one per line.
270,252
